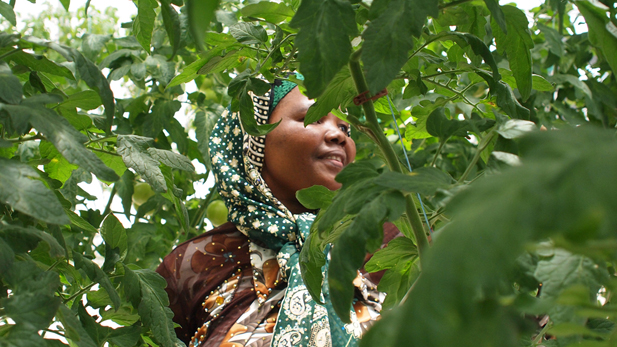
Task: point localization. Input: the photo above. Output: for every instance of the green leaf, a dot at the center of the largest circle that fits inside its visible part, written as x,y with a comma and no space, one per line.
239,88
6,257
323,41
171,20
400,249
312,260
10,89
505,96
340,91
67,140
171,195
190,72
541,84
269,11
65,4
41,63
517,44
424,180
144,23
315,197
97,275
388,39
515,128
147,290
397,281
27,195
204,124
171,159
553,38
125,190
248,33
497,14
86,100
162,111
599,36
93,44
134,152
363,235
112,161
7,12
565,269
440,126
554,196
477,45
200,13
79,222
573,80
31,307
23,239
74,329
114,235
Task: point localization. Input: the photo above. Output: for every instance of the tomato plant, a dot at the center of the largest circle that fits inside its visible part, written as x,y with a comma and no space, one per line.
521,221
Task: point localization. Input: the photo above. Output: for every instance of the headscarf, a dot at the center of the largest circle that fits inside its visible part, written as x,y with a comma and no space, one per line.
237,159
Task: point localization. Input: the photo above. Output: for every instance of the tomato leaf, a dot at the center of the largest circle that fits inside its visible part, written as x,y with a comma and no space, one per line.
388,38
27,195
323,40
517,44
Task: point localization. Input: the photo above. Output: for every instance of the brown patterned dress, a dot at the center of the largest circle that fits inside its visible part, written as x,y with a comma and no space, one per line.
223,295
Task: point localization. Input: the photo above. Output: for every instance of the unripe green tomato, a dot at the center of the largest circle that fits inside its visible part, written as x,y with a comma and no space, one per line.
217,212
141,193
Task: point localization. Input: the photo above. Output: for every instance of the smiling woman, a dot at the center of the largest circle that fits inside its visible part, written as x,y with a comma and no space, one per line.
240,284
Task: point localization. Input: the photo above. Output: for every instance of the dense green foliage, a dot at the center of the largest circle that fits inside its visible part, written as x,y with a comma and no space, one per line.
524,245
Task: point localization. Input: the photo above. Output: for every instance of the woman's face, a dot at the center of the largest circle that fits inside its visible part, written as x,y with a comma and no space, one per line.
297,157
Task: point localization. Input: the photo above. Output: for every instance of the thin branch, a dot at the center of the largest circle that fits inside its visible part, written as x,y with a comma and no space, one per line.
111,199
24,139
441,144
481,147
102,151
460,94
102,139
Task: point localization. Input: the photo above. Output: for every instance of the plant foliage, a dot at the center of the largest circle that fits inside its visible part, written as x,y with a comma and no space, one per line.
521,221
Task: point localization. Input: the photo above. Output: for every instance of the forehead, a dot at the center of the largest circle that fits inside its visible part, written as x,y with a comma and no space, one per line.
293,103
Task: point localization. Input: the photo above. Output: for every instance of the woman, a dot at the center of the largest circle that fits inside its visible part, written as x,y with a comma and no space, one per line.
239,284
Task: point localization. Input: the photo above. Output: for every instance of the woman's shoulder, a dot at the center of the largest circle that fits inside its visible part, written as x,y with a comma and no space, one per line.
223,230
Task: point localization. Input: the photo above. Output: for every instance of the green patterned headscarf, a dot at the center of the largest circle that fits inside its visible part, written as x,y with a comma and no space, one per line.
237,158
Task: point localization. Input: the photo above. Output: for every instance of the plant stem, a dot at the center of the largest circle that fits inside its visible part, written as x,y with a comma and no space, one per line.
111,198
393,163
441,143
102,139
102,151
460,94
24,139
80,292
481,147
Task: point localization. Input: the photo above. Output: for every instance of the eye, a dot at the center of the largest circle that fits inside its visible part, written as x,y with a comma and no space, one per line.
344,128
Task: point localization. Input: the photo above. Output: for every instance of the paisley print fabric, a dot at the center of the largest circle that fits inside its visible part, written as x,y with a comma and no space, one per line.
232,289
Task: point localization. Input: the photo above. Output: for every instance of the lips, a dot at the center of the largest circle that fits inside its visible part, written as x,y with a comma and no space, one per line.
337,158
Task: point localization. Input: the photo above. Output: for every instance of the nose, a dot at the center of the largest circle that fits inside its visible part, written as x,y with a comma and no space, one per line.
333,133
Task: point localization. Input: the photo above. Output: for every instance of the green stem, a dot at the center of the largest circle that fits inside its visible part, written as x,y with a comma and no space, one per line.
274,49
393,163
204,205
80,292
12,3
102,151
102,139
542,332
24,139
441,143
460,95
481,147
111,199
55,264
